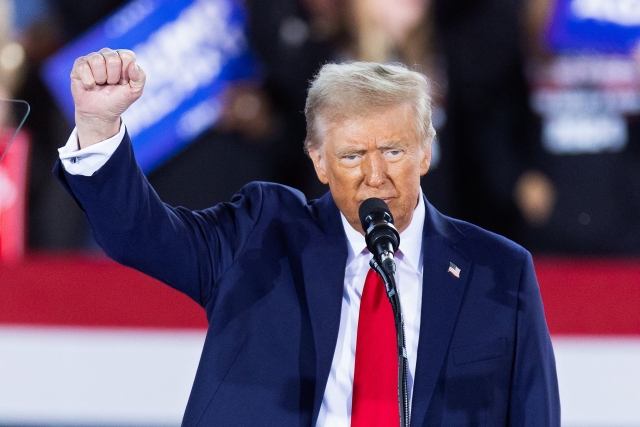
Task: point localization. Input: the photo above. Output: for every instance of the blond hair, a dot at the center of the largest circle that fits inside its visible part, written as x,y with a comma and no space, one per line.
355,89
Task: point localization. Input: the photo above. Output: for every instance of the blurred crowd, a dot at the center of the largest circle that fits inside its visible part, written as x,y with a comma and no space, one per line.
539,146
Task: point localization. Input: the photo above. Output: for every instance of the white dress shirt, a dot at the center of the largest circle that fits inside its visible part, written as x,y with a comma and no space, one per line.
90,159
335,410
336,403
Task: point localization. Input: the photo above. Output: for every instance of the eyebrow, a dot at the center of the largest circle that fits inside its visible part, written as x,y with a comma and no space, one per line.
391,144
350,151
358,150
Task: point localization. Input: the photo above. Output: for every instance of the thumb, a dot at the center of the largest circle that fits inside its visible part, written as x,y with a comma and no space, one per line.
137,77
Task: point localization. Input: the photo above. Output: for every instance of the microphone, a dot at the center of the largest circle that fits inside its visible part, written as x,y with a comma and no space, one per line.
380,234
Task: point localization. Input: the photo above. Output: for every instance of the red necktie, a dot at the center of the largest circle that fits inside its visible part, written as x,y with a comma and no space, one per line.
375,381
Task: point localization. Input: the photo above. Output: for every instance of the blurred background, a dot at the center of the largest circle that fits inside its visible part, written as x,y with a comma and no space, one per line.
536,106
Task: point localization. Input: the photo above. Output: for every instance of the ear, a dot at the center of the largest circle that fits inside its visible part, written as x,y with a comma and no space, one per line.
425,159
319,163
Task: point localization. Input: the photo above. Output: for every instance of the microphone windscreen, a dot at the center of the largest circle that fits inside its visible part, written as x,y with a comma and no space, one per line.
370,206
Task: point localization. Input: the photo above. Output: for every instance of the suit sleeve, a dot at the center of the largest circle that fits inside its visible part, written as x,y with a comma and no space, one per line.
188,250
534,398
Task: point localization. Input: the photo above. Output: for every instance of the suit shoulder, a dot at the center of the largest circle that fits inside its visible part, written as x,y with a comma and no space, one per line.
276,198
479,243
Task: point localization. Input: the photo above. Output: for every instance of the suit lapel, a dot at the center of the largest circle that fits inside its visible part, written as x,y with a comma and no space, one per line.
324,263
442,294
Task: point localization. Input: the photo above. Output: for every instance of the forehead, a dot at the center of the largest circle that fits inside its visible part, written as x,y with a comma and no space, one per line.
391,124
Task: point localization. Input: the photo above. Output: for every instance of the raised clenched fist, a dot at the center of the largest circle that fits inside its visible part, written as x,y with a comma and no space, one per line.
104,84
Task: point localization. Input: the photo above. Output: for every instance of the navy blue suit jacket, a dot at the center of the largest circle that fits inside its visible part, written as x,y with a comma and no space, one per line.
268,268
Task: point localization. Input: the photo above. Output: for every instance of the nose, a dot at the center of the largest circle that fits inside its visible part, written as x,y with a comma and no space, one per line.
374,169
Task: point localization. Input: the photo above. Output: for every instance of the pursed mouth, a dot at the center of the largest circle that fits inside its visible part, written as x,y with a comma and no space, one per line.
386,199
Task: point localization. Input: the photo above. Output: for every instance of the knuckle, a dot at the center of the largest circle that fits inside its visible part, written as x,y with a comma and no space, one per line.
127,54
83,67
112,61
79,64
95,59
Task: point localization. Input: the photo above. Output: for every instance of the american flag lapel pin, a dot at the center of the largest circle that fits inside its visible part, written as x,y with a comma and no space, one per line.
454,269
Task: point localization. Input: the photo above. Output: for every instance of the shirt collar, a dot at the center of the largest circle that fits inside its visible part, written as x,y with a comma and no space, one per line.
410,239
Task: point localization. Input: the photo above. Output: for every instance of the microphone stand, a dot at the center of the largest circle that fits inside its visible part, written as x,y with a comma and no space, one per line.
386,269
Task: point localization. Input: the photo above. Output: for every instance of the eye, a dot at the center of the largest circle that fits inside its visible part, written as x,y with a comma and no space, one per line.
393,154
350,159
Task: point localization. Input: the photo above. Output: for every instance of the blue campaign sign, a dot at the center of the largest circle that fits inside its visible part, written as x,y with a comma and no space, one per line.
190,50
611,26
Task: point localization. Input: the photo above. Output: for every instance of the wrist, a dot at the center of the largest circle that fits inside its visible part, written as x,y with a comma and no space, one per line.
93,130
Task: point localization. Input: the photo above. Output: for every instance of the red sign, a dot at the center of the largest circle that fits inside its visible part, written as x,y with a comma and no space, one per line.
13,194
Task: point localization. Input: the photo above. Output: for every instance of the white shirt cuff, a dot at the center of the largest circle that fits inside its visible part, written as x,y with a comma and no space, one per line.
88,160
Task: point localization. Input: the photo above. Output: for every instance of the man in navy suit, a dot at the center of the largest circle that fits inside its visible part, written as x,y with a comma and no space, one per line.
281,278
